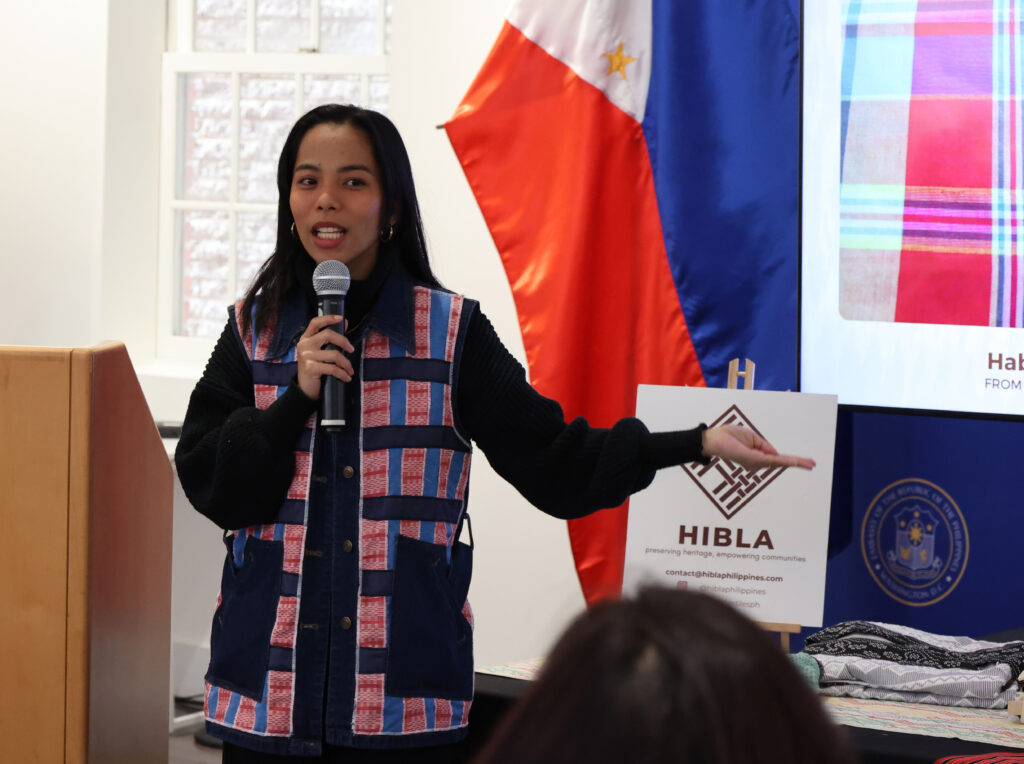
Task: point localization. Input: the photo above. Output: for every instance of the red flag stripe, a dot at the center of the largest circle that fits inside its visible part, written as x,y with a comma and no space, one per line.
570,202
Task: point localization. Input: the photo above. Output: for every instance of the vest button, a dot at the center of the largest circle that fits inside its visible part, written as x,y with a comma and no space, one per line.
346,623
348,472
346,545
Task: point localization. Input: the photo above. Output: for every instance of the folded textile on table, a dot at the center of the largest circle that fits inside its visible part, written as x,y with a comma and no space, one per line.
867,659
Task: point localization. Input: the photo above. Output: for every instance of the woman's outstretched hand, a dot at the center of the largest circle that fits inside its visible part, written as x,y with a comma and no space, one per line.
314,360
748,449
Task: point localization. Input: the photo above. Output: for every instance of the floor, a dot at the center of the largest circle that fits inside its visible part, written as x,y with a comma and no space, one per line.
184,750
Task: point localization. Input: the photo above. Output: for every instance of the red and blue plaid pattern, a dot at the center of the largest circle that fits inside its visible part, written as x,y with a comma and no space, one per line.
428,472
271,716
931,191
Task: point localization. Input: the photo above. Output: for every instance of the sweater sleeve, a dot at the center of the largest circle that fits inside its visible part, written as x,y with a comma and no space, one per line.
235,461
566,469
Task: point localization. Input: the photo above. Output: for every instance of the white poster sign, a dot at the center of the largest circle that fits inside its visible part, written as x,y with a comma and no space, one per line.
757,539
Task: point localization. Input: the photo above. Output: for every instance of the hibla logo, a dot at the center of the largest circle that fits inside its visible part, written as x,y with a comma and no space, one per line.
729,486
915,543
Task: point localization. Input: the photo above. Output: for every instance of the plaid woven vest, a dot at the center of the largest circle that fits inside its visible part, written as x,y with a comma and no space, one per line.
414,478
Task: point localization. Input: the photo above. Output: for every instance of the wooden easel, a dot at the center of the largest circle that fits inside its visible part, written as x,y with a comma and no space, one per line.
782,629
735,374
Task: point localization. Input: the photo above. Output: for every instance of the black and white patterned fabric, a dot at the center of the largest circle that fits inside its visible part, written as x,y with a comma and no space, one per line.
866,659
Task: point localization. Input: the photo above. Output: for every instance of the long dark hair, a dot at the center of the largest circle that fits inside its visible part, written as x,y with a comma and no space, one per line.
670,676
277,275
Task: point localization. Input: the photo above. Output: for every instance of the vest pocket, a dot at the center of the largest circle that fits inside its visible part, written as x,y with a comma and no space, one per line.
430,643
242,625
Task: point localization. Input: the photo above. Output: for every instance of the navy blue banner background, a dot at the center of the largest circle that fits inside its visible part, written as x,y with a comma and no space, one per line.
977,463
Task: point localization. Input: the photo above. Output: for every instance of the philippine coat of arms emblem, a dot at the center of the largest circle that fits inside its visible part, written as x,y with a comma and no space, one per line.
914,552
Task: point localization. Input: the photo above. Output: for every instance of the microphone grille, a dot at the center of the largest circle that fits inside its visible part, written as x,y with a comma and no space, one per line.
331,277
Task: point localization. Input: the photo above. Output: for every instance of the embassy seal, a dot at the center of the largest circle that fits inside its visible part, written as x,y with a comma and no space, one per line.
914,541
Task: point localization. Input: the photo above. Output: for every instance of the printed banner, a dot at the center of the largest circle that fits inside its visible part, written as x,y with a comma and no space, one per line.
757,539
935,517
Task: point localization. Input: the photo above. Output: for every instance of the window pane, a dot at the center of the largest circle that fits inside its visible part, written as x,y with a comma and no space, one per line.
204,117
282,25
348,26
321,89
256,236
219,25
380,92
266,112
203,272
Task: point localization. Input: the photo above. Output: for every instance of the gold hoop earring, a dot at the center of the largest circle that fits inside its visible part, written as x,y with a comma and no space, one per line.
387,235
295,233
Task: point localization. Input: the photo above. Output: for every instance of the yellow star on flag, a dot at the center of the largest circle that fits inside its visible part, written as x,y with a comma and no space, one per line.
617,61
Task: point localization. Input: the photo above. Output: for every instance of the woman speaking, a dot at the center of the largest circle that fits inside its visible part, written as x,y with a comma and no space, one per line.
342,630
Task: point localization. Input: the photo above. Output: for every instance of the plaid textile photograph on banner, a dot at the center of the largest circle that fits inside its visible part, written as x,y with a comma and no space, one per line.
930,194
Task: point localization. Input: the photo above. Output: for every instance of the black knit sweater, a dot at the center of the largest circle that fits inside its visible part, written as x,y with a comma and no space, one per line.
236,461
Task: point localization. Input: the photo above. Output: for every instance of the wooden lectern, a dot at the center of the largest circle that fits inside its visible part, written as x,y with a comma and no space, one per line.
86,491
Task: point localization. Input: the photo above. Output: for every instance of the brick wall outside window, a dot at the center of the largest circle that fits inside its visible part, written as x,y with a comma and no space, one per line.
236,91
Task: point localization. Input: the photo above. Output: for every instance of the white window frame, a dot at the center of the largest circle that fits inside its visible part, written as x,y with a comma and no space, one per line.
182,60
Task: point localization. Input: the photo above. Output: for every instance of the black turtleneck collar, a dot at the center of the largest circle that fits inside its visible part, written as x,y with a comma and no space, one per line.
362,293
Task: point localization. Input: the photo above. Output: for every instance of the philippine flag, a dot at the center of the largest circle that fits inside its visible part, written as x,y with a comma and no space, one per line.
636,162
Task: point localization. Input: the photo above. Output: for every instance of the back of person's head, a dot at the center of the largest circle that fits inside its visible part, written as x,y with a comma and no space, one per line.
668,676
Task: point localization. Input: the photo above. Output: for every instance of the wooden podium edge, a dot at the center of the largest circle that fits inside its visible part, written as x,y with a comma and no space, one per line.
76,711
91,729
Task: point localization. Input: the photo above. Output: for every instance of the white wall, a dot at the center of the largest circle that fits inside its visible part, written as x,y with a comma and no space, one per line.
80,115
52,81
128,267
78,246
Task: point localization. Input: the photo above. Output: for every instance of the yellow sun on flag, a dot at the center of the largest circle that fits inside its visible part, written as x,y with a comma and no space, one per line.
617,61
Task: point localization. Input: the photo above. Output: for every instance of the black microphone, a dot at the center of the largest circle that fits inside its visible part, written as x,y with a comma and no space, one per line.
330,282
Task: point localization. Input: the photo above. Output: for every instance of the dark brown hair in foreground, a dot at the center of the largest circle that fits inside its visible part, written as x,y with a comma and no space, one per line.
670,676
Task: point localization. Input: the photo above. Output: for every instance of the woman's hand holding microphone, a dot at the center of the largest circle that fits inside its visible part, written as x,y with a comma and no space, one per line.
314,360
